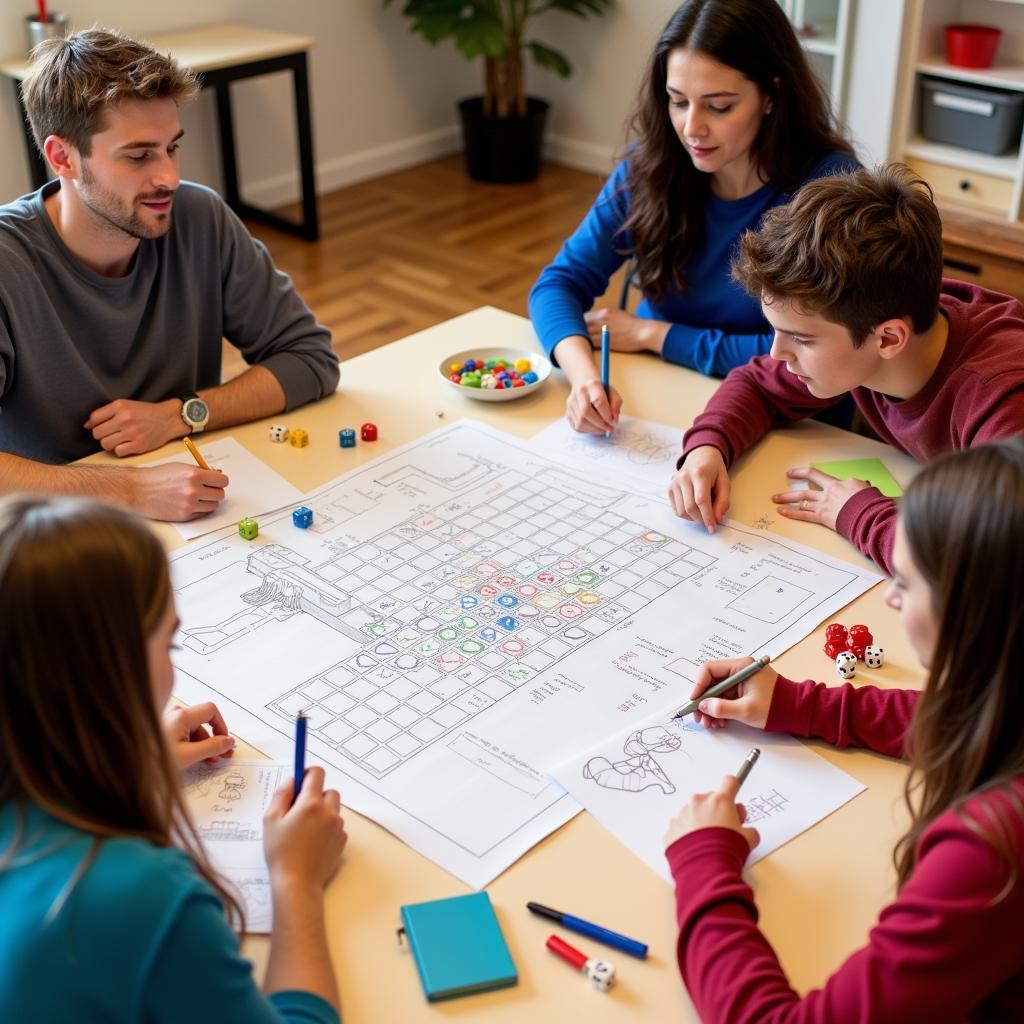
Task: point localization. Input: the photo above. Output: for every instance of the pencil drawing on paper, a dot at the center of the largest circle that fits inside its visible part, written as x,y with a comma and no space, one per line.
639,770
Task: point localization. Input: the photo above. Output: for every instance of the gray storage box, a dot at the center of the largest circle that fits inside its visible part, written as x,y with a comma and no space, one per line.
971,116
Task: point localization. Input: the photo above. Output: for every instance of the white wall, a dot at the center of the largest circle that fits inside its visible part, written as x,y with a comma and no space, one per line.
383,99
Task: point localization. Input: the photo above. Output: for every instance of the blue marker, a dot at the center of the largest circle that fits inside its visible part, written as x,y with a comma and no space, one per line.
594,931
300,752
606,349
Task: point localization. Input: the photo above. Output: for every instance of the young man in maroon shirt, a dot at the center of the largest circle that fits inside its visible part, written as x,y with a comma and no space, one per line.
850,276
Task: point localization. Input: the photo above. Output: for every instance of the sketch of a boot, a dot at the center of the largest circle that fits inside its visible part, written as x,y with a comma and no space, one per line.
639,772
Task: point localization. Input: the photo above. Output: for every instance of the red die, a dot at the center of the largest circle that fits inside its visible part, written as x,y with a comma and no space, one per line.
835,633
834,649
861,633
856,647
368,432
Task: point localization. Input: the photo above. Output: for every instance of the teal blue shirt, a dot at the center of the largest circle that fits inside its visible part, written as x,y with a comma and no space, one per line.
140,938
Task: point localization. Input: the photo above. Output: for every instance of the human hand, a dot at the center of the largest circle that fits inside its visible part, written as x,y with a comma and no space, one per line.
175,492
822,506
747,702
302,842
127,427
712,810
700,490
589,410
188,738
628,333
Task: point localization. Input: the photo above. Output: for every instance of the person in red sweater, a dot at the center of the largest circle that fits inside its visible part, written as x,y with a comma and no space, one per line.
849,275
951,946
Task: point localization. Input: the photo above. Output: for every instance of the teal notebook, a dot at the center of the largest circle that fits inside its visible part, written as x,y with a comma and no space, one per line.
458,946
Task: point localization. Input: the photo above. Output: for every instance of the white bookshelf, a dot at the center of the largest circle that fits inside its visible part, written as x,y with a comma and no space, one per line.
828,47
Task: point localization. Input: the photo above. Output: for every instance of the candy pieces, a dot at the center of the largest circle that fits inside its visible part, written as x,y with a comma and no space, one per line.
368,432
347,438
492,374
299,438
302,517
248,528
278,433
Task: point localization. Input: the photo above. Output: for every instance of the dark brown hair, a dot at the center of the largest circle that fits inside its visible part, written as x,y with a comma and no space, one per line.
857,248
73,80
82,586
667,193
963,518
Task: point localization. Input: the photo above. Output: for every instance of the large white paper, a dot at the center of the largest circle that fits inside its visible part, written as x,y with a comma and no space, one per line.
464,614
227,801
254,489
641,452
634,782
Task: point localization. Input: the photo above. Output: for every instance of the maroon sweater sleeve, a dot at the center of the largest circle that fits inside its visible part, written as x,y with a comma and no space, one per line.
868,521
946,945
750,401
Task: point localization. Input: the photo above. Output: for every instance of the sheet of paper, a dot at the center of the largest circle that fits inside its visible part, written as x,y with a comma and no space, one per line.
255,488
872,470
227,801
639,451
463,614
635,782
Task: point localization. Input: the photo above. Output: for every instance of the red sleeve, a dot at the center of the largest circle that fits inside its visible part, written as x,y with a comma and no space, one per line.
868,521
751,400
942,948
845,716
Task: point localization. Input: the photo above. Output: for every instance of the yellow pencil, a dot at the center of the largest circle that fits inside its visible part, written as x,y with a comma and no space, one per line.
194,452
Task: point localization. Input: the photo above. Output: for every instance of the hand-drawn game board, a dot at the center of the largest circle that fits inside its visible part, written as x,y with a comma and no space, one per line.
463,613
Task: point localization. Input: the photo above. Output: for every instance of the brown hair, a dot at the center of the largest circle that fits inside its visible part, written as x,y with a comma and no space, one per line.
667,193
82,586
856,248
963,518
73,80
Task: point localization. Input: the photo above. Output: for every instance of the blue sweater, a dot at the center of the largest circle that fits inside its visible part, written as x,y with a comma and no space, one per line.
140,938
716,325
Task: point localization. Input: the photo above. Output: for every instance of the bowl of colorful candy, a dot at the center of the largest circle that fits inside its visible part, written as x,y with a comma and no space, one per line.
495,374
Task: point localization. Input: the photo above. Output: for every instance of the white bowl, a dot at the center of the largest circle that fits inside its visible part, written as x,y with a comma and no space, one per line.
538,363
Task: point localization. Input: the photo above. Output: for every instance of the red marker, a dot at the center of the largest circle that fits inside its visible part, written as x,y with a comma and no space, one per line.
600,972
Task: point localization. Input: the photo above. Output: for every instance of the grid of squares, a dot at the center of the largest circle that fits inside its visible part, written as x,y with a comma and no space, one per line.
466,604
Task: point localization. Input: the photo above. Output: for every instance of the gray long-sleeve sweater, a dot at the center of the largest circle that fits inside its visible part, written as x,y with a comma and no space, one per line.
72,340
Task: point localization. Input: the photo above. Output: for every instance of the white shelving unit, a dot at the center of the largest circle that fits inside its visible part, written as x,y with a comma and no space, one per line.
960,176
828,46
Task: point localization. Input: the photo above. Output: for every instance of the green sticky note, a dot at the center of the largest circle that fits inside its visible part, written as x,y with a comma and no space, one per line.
872,470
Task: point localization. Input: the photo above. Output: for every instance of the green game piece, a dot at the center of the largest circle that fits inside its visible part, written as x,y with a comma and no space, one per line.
871,470
248,528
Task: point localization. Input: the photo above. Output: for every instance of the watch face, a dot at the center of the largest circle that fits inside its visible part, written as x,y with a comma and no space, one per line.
195,410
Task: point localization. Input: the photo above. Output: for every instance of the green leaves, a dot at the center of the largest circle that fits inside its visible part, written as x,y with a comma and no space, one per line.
553,60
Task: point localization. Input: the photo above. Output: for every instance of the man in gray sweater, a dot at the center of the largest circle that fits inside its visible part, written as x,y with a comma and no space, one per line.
111,319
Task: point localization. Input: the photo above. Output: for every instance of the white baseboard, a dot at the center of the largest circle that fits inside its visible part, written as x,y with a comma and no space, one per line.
356,167
371,163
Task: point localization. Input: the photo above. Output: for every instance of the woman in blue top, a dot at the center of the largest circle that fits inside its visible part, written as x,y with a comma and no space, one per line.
111,911
730,121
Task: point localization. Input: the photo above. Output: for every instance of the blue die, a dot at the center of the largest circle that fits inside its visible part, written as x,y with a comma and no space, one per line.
302,517
347,438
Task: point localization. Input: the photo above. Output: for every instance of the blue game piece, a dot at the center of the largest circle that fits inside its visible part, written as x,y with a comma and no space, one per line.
347,438
302,517
530,378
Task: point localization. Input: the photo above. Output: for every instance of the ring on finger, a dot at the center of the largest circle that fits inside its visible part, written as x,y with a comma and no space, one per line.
804,506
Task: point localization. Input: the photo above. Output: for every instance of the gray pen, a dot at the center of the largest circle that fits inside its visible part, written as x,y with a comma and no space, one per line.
748,762
726,684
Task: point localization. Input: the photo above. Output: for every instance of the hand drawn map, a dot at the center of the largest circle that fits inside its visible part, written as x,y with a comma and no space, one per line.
465,613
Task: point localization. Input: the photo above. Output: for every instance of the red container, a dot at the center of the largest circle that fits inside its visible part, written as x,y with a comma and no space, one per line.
971,46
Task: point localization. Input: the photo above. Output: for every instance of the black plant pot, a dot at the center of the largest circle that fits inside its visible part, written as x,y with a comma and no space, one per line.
502,149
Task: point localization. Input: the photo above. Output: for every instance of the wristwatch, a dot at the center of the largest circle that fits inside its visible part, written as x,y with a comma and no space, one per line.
194,411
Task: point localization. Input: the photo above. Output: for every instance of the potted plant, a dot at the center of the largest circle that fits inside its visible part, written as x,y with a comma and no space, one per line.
503,129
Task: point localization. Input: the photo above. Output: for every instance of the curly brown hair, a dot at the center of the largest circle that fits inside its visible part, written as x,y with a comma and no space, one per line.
72,81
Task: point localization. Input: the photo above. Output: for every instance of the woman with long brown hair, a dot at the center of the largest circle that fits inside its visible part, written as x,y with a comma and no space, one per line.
111,910
951,945
729,122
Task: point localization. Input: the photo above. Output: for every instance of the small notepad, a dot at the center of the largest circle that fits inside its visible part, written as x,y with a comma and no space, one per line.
458,946
872,470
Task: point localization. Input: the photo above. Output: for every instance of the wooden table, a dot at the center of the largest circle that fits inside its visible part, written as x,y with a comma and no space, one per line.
223,54
818,895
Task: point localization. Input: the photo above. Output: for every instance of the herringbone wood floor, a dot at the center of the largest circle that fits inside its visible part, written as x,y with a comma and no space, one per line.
407,250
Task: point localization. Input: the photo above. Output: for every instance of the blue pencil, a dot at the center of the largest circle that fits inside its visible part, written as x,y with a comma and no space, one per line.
606,349
300,752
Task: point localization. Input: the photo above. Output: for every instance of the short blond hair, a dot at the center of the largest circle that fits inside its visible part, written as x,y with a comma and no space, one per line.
72,81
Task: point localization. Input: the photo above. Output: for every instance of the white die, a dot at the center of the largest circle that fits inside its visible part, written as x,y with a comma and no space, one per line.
601,974
846,664
278,433
874,656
